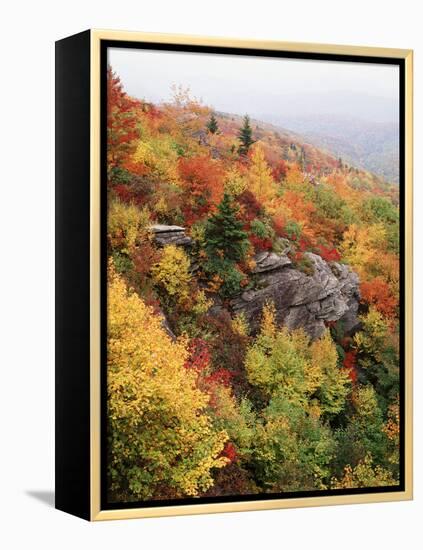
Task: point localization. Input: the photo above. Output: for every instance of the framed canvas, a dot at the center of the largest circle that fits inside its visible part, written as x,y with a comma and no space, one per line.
233,275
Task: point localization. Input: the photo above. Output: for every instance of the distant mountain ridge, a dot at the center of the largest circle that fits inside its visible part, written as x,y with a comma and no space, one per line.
366,145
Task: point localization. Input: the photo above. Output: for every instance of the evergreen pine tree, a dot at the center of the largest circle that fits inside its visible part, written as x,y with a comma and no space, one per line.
245,136
212,125
224,233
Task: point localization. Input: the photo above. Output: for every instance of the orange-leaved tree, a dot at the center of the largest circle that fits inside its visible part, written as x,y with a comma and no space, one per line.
122,128
202,179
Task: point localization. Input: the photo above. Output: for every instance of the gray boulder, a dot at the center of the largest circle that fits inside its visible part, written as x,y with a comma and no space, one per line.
268,261
301,300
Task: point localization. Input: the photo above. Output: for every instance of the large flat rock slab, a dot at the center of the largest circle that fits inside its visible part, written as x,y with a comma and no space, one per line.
165,235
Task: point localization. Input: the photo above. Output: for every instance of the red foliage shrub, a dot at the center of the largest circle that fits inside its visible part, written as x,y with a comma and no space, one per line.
122,130
350,364
137,168
199,358
250,206
280,170
377,292
279,223
144,259
230,452
329,254
349,361
300,206
232,480
221,377
151,111
227,348
123,192
260,244
303,244
130,194
202,179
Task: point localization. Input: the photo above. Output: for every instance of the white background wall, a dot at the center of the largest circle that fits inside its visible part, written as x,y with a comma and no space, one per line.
28,32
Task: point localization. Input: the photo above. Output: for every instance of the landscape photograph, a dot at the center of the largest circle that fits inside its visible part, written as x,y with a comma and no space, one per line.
253,276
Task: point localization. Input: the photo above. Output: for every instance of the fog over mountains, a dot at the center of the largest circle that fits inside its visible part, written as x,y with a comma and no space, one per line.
361,128
371,145
349,109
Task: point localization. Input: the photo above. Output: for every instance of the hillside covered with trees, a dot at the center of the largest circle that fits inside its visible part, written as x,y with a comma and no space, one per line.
253,308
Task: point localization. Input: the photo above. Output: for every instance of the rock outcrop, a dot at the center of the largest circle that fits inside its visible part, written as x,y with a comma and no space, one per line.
170,234
269,261
329,294
301,300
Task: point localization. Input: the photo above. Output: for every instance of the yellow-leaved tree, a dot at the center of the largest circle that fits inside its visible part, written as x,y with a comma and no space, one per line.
303,385
161,441
365,474
283,362
175,283
363,248
159,157
235,183
172,274
127,225
260,179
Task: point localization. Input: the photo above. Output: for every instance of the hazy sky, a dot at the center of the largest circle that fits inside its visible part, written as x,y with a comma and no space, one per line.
260,86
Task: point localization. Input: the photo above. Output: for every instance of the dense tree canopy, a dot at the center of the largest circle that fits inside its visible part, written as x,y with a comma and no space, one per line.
160,436
201,403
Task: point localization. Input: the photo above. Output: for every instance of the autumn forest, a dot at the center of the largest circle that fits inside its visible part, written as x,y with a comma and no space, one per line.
252,308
